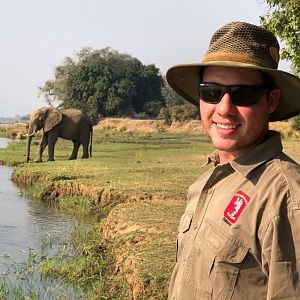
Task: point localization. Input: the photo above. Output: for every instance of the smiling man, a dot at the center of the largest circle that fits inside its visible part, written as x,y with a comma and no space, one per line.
239,236
232,128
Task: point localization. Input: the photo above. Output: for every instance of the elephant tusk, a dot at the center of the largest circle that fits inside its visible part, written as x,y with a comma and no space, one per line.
31,134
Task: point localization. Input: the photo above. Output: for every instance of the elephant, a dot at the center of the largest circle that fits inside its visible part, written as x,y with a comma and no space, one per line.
70,124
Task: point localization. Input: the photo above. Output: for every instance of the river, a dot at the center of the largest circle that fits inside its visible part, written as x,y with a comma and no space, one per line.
27,227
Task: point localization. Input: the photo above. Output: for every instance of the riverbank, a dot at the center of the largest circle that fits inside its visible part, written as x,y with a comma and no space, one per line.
134,186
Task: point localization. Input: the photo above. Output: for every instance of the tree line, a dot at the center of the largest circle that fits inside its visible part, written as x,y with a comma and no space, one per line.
111,84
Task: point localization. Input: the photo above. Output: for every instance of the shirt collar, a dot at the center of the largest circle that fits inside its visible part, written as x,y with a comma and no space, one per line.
212,158
263,152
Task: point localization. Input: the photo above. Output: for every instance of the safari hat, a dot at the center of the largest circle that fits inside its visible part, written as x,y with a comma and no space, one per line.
241,45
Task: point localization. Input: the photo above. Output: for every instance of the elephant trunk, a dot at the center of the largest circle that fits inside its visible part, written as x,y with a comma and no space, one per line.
29,135
28,142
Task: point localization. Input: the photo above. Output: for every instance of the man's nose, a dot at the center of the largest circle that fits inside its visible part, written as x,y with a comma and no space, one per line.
225,106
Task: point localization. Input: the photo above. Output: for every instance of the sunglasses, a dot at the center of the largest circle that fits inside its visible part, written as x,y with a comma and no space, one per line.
240,95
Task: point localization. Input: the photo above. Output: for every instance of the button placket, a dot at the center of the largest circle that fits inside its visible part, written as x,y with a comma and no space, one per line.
206,196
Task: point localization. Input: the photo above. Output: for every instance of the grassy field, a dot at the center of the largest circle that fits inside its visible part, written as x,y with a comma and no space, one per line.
134,186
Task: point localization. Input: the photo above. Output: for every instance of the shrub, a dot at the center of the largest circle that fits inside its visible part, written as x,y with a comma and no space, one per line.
296,123
182,112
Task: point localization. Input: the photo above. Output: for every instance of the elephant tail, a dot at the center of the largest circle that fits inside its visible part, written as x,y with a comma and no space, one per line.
91,141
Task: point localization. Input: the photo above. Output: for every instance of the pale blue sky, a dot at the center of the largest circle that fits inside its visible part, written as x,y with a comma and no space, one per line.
36,36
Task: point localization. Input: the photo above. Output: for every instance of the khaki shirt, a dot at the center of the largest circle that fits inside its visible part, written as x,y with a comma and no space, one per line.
239,237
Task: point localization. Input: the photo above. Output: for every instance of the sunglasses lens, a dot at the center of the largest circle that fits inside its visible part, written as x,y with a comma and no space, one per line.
245,95
210,93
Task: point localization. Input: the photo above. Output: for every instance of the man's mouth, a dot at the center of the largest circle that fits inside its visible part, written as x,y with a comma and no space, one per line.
227,126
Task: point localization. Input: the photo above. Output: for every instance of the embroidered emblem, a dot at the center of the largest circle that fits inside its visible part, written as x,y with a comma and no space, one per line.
235,207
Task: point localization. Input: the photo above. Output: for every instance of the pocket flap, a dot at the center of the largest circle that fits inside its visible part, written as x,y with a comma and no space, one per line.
222,243
185,221
233,251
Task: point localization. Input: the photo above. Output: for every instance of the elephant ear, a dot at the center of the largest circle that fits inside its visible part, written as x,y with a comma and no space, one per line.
52,119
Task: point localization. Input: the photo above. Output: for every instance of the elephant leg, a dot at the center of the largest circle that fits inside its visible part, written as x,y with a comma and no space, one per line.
85,153
52,139
76,145
43,144
85,141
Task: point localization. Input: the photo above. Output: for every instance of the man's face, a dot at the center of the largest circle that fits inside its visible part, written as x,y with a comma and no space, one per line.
236,129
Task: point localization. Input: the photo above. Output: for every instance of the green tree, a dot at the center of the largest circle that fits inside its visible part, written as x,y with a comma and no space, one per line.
105,82
181,112
171,97
283,18
177,108
148,90
296,123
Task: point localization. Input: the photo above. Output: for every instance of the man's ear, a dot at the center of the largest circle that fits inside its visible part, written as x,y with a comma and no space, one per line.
273,100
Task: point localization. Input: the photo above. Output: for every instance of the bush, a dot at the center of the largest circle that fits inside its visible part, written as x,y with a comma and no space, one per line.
152,108
182,112
296,123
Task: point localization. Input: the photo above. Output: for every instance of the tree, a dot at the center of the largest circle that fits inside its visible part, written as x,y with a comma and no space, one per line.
283,18
296,123
171,97
105,82
181,112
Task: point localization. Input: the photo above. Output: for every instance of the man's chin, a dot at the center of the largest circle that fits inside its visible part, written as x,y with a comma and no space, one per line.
228,146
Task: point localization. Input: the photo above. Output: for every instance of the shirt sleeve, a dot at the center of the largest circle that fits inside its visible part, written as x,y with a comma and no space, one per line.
281,256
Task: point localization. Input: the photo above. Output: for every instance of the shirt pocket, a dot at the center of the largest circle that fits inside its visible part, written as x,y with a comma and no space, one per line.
228,253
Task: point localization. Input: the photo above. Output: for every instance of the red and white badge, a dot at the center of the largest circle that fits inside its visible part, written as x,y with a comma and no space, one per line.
236,206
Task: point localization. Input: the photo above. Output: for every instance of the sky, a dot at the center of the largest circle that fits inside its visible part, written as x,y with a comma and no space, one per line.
36,36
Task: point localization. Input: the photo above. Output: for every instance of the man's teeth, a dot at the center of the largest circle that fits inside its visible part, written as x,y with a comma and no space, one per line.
226,126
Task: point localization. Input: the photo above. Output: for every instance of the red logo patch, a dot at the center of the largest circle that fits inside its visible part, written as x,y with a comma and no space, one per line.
236,206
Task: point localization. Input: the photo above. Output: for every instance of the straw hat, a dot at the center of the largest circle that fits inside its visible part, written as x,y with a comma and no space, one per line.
241,45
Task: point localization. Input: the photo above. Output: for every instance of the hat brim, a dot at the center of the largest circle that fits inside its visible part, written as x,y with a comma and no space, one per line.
184,80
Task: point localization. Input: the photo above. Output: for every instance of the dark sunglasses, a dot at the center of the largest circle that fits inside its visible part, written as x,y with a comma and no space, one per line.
240,95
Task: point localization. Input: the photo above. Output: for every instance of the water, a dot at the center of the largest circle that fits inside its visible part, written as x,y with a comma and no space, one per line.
4,142
27,226
24,223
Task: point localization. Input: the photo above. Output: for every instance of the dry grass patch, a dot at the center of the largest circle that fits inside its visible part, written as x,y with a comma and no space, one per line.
14,130
285,128
149,126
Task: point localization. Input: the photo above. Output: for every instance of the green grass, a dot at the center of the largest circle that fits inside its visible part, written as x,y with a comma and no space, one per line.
86,268
122,162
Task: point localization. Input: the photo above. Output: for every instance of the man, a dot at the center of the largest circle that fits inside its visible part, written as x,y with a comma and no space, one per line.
239,237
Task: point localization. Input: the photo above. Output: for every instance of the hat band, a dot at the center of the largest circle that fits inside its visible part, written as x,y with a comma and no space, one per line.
234,57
